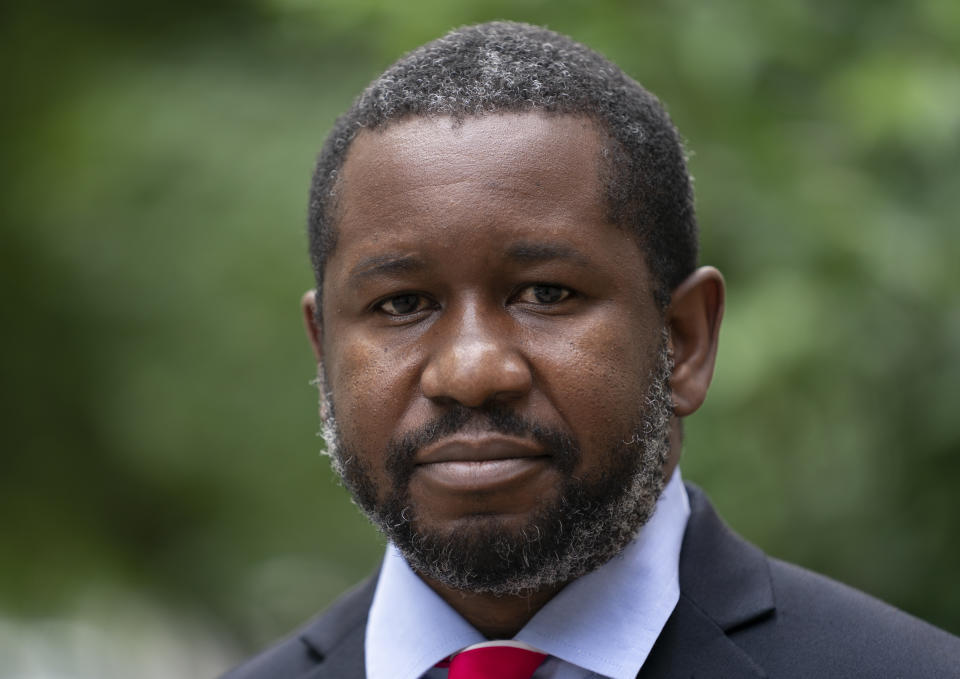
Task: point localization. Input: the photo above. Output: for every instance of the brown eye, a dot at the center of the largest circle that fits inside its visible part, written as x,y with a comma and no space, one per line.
543,294
402,305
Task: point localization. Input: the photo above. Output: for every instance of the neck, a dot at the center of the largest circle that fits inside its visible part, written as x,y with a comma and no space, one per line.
495,616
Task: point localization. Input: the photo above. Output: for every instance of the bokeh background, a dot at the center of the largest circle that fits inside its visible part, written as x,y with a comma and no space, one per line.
165,509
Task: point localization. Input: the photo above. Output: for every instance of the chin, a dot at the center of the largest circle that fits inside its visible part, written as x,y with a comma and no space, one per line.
515,554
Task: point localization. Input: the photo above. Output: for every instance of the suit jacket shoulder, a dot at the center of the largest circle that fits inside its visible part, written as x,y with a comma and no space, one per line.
825,628
743,614
331,645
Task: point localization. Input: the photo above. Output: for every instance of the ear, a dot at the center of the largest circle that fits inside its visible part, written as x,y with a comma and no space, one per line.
308,304
693,317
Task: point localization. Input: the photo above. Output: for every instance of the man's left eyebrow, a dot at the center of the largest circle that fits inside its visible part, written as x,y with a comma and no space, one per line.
533,253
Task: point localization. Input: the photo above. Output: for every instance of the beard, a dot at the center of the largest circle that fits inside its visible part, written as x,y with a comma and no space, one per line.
591,521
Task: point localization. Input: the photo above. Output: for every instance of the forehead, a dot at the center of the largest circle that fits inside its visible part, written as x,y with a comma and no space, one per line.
558,147
467,189
419,162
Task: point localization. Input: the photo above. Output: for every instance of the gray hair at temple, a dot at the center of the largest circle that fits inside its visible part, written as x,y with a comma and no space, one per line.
505,67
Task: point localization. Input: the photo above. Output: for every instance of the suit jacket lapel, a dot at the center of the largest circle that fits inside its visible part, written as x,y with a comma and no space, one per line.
723,574
336,638
692,645
724,586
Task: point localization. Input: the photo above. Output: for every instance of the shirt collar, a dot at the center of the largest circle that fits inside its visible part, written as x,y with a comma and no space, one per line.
606,621
410,627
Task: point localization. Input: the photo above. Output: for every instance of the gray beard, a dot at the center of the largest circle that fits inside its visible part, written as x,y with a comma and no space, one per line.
591,521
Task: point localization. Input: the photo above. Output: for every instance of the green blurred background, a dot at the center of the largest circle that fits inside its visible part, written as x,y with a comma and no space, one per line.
164,502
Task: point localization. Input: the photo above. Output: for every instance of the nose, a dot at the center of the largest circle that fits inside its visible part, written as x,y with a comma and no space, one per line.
474,361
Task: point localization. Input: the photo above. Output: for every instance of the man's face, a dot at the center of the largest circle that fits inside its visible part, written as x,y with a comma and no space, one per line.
492,351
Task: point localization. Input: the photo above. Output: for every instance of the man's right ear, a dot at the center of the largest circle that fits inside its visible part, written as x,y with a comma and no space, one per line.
308,304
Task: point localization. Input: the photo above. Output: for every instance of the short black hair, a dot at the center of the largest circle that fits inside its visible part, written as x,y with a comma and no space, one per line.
507,67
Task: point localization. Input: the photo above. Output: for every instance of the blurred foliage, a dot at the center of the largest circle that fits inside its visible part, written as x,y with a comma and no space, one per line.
159,425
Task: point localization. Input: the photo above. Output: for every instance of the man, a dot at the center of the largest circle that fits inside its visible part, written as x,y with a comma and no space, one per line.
509,324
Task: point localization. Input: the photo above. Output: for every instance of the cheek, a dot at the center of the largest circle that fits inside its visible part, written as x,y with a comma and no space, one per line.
597,376
369,382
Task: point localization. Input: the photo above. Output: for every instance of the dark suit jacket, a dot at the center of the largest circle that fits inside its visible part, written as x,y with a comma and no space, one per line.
740,614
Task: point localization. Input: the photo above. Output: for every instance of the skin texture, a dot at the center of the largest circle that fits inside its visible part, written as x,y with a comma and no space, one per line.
474,266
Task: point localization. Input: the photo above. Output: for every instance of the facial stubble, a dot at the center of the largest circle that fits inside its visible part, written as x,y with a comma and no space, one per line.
590,521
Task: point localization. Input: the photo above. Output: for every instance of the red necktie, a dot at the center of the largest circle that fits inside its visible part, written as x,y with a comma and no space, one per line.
493,660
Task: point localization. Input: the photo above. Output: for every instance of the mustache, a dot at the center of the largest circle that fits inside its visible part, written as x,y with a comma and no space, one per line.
560,446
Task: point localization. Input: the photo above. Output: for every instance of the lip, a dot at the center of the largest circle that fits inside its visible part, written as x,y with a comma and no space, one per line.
481,464
478,449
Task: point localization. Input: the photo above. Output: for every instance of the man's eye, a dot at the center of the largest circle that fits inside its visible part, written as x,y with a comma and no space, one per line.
543,294
401,305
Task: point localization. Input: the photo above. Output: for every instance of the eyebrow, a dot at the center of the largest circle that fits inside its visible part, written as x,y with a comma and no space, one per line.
384,265
532,253
523,252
